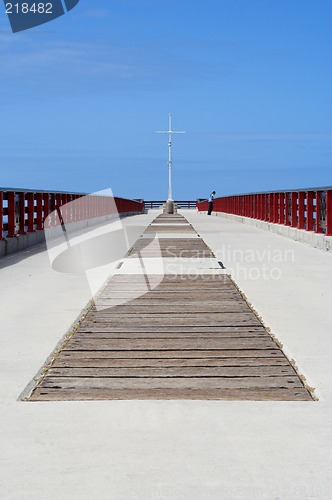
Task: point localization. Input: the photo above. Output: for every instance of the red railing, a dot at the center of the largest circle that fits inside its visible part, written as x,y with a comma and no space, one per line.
310,209
191,204
25,211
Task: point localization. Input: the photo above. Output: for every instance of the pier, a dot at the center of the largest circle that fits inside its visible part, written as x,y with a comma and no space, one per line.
227,353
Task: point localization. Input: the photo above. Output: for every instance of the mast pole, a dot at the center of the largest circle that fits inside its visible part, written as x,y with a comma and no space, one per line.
170,132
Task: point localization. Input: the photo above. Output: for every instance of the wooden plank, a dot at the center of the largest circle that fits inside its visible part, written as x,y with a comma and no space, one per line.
217,287
150,253
234,394
168,335
186,245
174,298
156,245
214,290
172,303
170,228
157,222
174,279
75,362
112,314
184,295
178,371
217,292
179,278
173,353
173,330
182,356
169,297
176,308
173,383
170,250
167,321
169,344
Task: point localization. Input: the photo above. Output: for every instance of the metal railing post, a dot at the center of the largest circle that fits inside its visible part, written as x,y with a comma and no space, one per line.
21,214
1,215
46,207
11,214
288,209
294,209
318,228
328,213
31,212
301,210
281,208
310,211
39,211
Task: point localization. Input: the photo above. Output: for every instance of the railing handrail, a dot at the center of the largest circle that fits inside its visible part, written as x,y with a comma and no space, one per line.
42,191
175,201
190,204
301,190
307,209
25,211
22,190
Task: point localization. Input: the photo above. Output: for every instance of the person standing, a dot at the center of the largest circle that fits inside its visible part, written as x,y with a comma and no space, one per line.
211,198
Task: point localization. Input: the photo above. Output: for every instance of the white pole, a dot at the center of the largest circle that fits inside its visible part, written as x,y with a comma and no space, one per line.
170,132
170,198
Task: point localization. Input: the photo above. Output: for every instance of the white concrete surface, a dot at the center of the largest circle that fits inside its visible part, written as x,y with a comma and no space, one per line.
169,449
311,238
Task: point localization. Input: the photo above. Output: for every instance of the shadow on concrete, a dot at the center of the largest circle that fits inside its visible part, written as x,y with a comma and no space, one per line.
16,257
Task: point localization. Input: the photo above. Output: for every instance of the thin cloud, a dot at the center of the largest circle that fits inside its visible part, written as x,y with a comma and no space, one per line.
273,137
80,66
96,13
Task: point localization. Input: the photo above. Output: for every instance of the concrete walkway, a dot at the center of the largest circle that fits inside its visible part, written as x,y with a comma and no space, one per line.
170,449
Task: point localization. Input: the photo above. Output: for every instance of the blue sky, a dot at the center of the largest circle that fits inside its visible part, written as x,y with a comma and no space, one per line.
248,80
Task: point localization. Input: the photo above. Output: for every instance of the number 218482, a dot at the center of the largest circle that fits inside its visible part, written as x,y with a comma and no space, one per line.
25,8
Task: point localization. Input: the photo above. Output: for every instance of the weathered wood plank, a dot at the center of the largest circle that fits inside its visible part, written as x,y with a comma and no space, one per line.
173,353
176,279
150,253
226,331
217,289
179,278
247,394
186,295
215,292
167,335
217,282
76,362
170,229
167,321
187,245
167,344
189,308
157,297
173,383
166,372
200,317
143,301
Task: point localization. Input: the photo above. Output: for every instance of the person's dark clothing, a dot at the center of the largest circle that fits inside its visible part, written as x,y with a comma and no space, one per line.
210,203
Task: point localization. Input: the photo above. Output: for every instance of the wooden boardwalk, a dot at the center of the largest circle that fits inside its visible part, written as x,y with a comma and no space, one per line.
187,338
